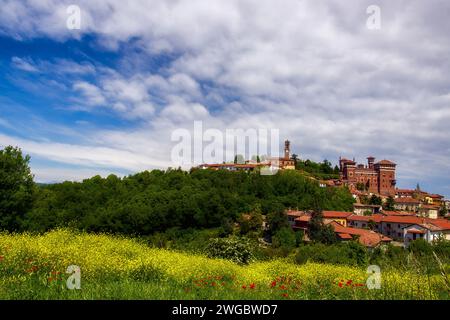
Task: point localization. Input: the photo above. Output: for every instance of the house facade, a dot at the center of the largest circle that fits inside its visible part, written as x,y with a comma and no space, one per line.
407,204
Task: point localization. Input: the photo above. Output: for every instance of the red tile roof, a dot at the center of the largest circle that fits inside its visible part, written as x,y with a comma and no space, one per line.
444,224
366,237
295,213
430,206
304,218
405,191
374,217
360,205
397,213
415,230
336,214
385,162
345,236
403,219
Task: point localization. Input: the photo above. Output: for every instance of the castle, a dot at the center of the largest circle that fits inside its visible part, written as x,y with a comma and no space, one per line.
376,177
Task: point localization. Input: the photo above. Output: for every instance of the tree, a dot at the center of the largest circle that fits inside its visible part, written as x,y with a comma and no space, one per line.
443,210
16,188
375,200
318,231
389,204
284,238
252,222
417,192
371,225
295,158
277,220
239,159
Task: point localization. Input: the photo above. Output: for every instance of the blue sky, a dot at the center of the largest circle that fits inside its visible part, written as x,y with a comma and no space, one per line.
107,97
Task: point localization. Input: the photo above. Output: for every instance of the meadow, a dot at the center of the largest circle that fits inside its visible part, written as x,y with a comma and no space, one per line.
115,267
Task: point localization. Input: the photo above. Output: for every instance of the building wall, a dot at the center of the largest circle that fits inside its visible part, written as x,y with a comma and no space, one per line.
406,207
385,184
338,220
393,230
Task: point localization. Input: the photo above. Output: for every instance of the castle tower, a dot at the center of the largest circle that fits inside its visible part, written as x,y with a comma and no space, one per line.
287,149
386,177
370,162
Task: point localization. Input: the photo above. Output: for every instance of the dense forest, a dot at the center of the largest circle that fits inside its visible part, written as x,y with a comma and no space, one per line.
152,201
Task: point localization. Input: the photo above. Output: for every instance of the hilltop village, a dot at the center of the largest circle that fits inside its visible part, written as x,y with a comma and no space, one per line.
382,213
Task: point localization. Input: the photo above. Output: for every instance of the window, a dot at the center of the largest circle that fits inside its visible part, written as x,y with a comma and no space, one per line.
398,226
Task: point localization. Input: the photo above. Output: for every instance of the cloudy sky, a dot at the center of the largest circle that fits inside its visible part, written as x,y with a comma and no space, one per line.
106,98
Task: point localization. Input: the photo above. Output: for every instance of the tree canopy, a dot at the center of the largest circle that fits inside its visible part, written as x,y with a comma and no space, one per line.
16,187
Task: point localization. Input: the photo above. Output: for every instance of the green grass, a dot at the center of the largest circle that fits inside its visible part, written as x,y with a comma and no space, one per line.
33,267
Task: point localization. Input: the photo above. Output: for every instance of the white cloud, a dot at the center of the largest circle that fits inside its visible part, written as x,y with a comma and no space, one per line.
24,65
92,93
311,69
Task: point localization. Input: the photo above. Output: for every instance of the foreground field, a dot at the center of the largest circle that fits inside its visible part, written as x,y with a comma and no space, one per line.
34,267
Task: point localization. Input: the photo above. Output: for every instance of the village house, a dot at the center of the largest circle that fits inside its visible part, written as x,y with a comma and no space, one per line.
232,166
283,163
294,214
439,229
299,220
407,204
365,222
393,225
434,199
362,209
428,211
405,193
368,238
328,216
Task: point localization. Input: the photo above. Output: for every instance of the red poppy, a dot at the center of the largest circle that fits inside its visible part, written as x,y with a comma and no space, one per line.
252,286
283,287
285,295
340,284
2,258
244,287
273,284
349,282
213,284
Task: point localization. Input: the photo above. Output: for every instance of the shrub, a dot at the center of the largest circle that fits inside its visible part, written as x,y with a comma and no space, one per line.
349,253
284,238
420,247
236,249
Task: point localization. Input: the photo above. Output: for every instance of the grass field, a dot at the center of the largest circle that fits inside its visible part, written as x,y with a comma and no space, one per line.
34,267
